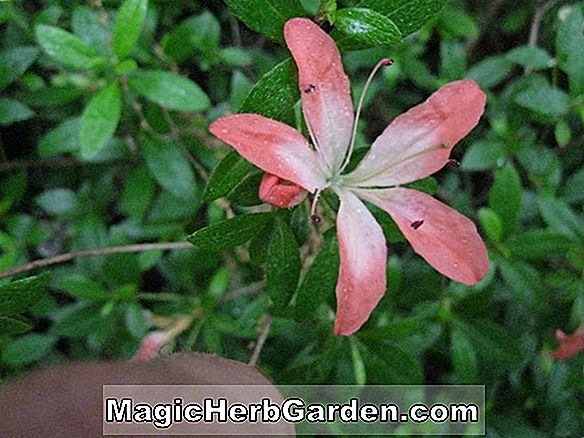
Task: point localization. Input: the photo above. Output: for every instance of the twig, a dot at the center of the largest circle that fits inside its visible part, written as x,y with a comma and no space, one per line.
267,325
63,258
250,289
8,166
540,11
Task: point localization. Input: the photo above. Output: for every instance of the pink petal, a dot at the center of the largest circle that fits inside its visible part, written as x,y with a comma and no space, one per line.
447,240
275,191
272,146
362,275
418,143
324,86
570,345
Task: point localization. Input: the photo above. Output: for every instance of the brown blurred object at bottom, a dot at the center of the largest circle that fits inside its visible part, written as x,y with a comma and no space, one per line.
67,401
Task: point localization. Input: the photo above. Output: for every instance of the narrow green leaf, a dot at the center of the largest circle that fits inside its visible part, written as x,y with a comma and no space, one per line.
490,71
129,23
169,167
491,223
12,111
573,189
28,349
559,216
320,281
14,62
100,120
169,90
275,93
229,233
196,34
531,57
484,154
66,47
408,15
539,244
137,195
89,25
547,101
19,296
226,176
464,358
83,288
367,27
14,325
62,139
524,281
283,265
570,47
265,16
505,198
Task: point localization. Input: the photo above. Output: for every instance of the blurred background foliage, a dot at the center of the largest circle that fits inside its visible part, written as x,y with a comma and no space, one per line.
103,119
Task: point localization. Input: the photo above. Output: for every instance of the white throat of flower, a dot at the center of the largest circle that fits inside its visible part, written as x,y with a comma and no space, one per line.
335,180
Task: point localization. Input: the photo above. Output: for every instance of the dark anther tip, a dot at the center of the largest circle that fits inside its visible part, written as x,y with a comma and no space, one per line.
311,88
315,218
386,62
453,163
417,224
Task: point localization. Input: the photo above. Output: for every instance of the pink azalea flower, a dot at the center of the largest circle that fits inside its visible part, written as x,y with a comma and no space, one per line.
570,345
414,146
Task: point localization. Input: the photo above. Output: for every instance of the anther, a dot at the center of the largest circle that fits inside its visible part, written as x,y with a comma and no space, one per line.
311,88
446,144
417,224
316,218
386,62
452,163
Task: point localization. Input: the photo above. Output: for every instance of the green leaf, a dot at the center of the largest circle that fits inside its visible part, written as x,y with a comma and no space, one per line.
169,90
136,321
229,233
505,198
169,167
491,223
544,100
563,133
246,194
524,281
129,23
275,93
320,281
137,195
367,26
490,71
14,62
14,325
83,288
539,244
464,358
531,57
19,296
408,15
570,48
265,16
196,34
484,154
62,139
559,216
57,201
387,363
66,47
573,189
12,111
89,25
99,120
28,349
227,175
283,265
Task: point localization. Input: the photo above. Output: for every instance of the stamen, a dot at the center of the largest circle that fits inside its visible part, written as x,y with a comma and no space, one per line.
313,216
452,163
383,63
311,88
417,224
